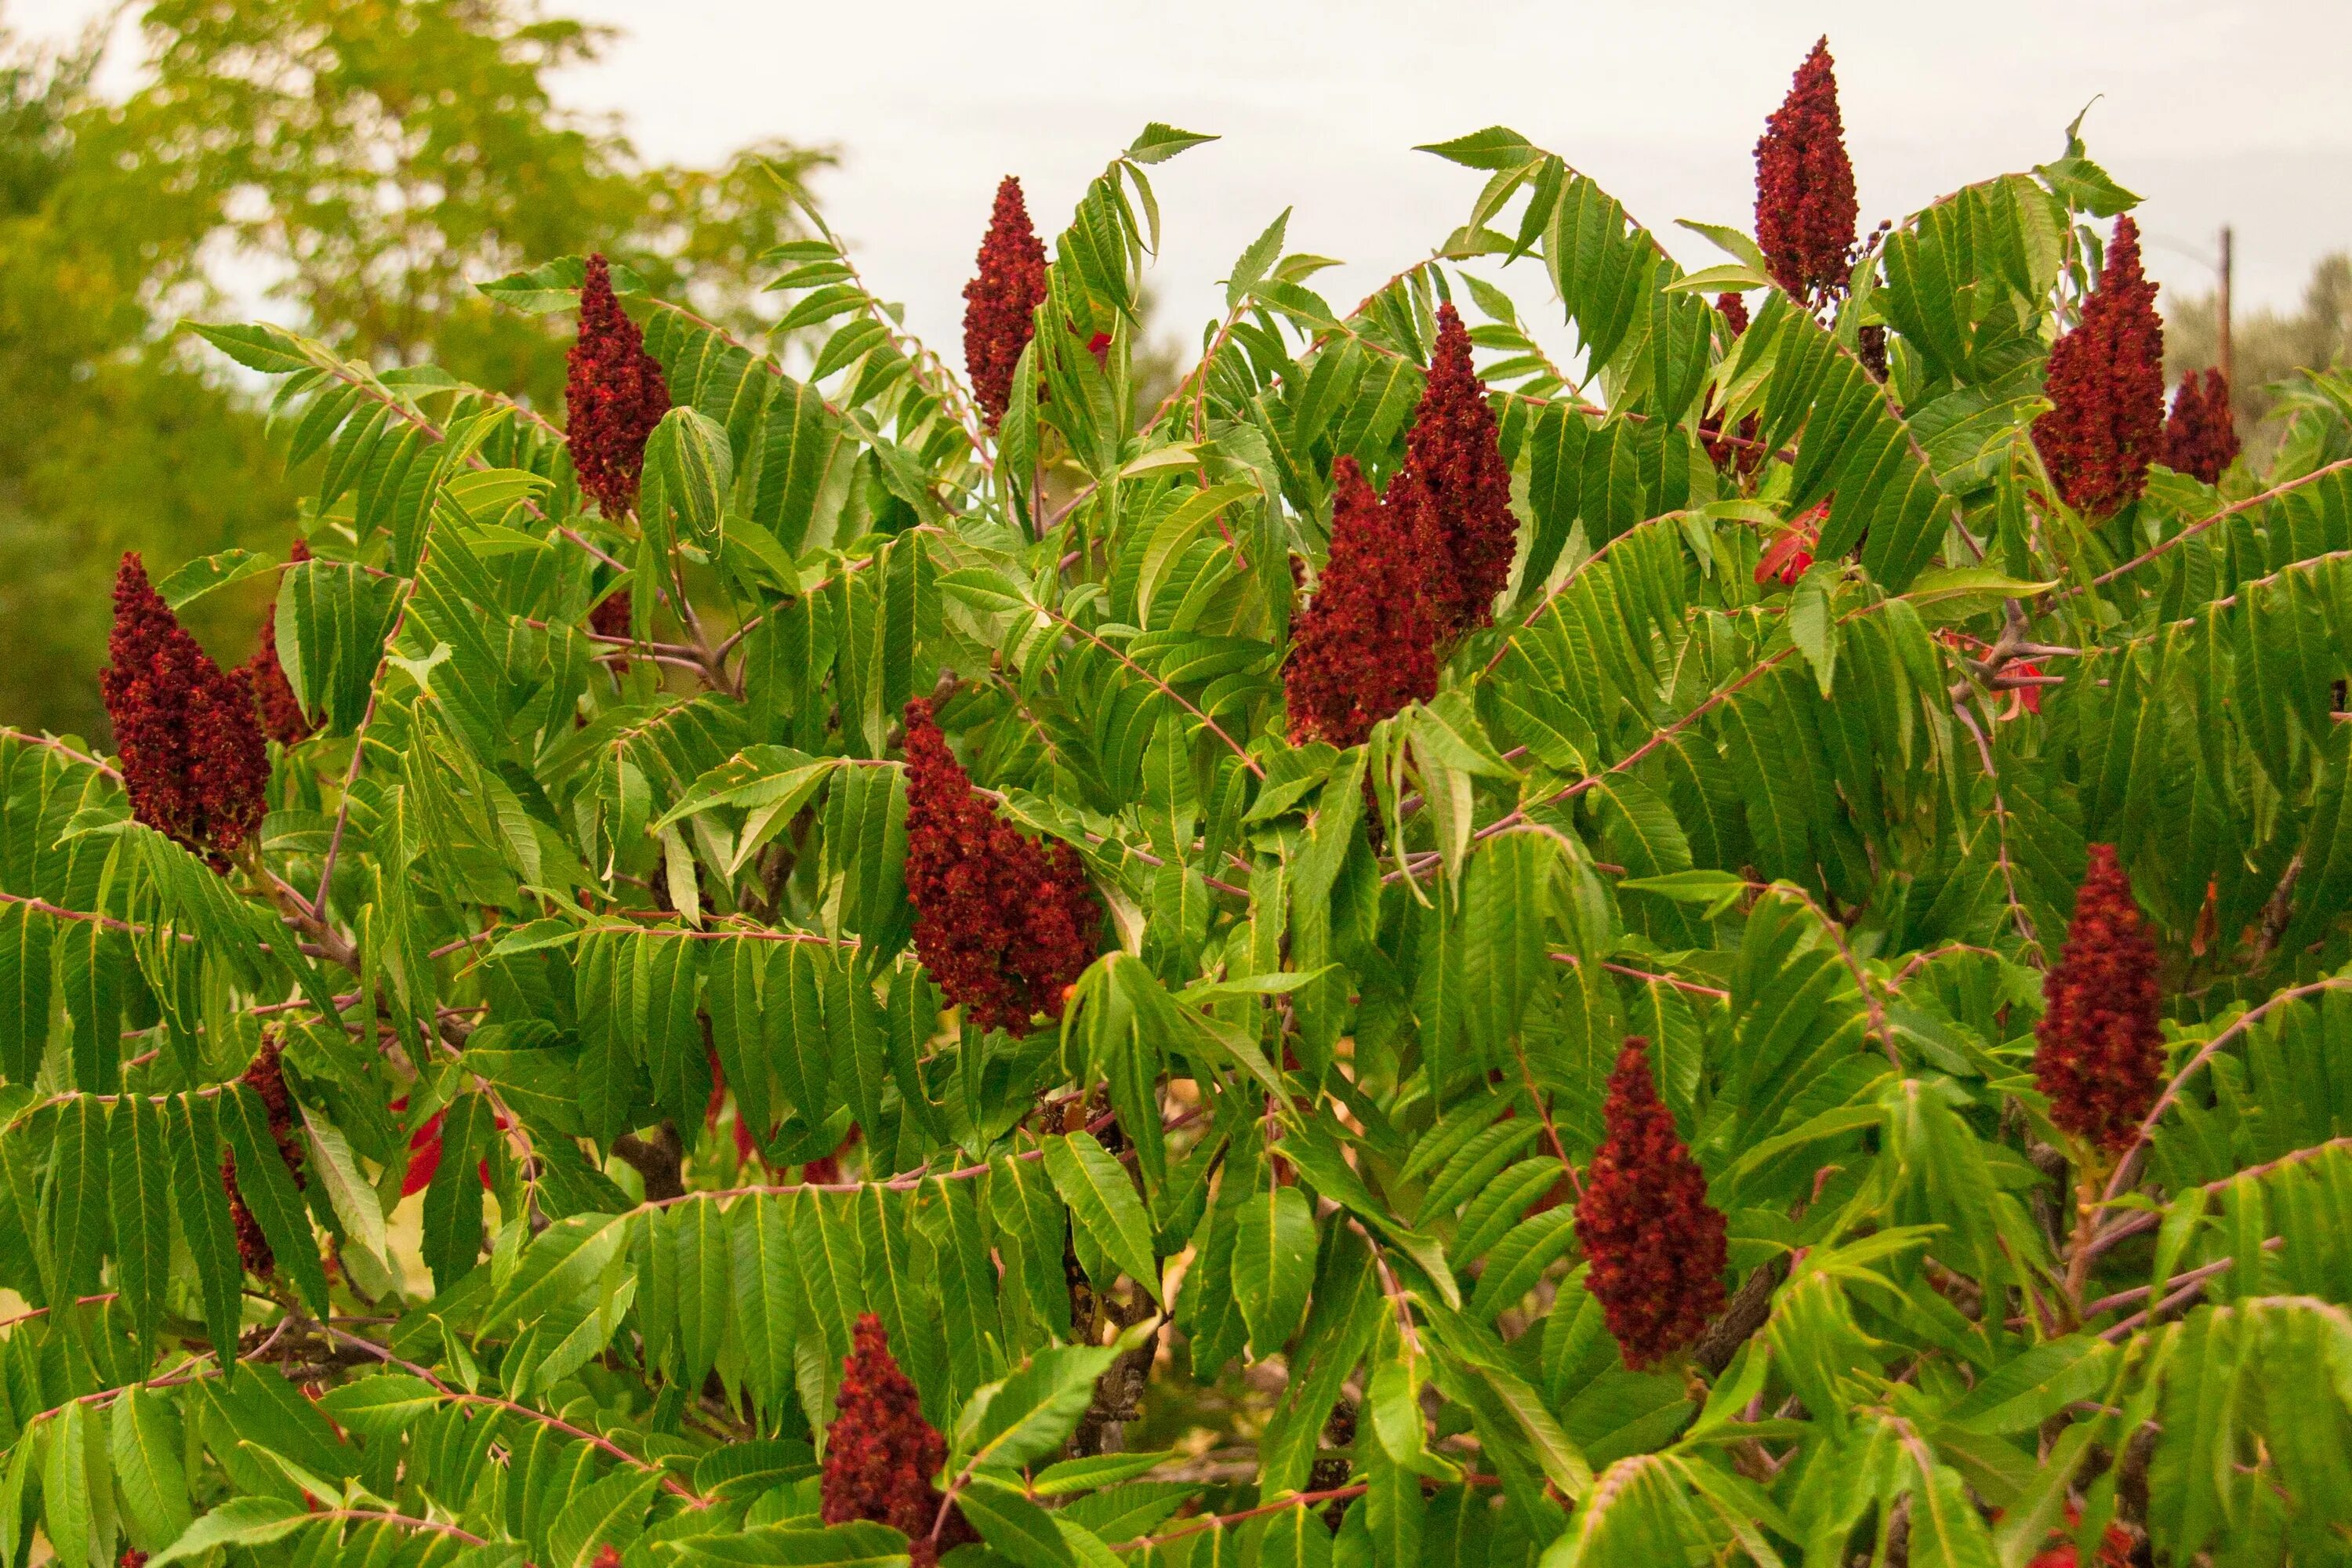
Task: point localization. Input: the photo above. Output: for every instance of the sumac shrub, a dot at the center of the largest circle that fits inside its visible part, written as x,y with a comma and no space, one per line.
536,1091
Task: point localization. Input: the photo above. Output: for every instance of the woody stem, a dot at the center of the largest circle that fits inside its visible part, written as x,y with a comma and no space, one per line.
2079,1250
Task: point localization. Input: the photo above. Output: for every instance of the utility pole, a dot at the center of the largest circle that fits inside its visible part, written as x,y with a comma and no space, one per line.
2221,313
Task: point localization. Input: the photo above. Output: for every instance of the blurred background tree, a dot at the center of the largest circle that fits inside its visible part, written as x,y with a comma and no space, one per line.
352,166
2268,346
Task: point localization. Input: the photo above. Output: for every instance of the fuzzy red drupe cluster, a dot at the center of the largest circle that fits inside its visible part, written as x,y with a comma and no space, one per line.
1453,493
2200,437
2099,1055
282,719
1004,923
611,615
1805,208
2105,386
267,1080
880,1455
613,396
1366,647
193,761
1657,1246
1000,303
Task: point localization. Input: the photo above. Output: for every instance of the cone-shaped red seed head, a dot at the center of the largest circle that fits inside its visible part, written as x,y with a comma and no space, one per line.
2099,1055
1455,491
252,1247
282,719
614,396
1004,923
1000,303
1656,1248
2200,438
1366,647
194,760
1734,310
2105,386
1805,209
267,1079
880,1454
611,615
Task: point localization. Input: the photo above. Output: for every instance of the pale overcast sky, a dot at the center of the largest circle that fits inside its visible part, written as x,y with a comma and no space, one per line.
2213,112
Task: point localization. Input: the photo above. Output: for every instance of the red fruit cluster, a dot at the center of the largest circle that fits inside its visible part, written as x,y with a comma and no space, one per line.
2106,384
1805,209
1656,1248
2200,438
1870,348
614,396
1366,647
1455,491
880,1454
2099,1055
1000,303
282,719
1004,923
267,1081
611,615
193,761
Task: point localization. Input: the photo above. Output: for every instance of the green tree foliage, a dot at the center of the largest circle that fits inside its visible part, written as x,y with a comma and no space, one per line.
602,946
364,160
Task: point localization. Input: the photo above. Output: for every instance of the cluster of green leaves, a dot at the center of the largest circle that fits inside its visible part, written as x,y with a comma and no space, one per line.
616,931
